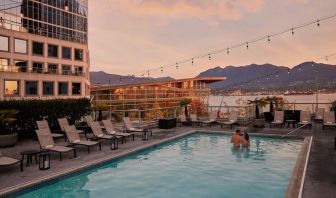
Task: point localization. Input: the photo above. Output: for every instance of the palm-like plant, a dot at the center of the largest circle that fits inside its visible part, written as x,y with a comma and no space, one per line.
271,100
259,103
184,103
100,107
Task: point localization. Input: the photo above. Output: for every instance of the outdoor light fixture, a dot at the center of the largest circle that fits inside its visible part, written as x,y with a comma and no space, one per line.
44,160
66,6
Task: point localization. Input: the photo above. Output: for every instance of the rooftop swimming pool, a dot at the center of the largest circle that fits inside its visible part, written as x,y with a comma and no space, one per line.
198,165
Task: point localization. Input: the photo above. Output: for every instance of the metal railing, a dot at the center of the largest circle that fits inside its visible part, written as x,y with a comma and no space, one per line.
18,69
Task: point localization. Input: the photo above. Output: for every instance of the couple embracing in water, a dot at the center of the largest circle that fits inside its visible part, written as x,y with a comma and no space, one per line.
238,140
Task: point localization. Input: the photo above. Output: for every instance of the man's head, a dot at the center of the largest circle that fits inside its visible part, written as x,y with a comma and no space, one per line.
238,131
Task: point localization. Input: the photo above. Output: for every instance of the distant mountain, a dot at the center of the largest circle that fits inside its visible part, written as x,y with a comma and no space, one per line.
101,77
267,76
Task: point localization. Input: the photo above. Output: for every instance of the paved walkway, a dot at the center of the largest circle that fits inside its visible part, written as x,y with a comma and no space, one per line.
320,178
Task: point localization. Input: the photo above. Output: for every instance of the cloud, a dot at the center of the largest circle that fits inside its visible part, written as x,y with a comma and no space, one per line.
202,9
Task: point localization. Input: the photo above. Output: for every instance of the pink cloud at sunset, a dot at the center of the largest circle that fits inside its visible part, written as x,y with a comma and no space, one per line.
130,36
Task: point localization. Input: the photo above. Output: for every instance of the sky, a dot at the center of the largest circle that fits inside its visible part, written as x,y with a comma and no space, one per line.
129,37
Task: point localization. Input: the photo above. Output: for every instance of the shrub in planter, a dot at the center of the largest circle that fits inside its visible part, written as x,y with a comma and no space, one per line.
8,137
32,110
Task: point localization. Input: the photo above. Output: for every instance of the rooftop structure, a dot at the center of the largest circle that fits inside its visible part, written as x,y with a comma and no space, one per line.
43,49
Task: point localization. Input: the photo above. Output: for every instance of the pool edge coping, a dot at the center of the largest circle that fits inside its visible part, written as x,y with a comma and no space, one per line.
295,185
66,172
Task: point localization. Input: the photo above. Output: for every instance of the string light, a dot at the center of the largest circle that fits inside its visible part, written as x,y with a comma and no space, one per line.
327,58
176,65
161,69
209,57
288,71
268,37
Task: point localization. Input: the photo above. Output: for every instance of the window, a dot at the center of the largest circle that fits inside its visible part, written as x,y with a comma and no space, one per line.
20,46
38,48
79,71
31,87
52,68
76,88
48,88
4,62
66,69
63,88
38,67
23,65
12,87
53,51
4,43
79,54
66,52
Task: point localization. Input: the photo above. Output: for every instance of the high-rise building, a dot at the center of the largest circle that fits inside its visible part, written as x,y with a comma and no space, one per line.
44,49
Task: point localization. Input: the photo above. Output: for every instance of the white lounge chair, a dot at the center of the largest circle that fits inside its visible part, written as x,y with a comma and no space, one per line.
278,118
182,119
329,119
305,119
99,134
74,139
43,124
194,120
47,143
319,114
110,130
212,119
130,128
63,122
233,118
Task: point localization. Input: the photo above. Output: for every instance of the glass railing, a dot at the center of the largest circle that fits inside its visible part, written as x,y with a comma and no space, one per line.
18,69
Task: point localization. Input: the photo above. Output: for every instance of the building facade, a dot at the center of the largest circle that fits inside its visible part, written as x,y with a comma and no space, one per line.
44,49
164,96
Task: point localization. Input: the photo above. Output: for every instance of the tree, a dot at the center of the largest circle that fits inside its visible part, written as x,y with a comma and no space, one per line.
184,103
100,107
258,104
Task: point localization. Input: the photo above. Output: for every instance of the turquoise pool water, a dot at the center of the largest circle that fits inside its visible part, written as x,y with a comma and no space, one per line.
199,165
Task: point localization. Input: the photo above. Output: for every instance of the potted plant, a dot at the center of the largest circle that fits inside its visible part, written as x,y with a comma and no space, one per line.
100,107
184,103
259,103
8,137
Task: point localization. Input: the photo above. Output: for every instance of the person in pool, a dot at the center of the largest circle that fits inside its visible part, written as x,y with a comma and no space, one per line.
246,140
236,139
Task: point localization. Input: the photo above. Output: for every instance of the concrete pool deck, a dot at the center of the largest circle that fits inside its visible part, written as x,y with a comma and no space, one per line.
13,180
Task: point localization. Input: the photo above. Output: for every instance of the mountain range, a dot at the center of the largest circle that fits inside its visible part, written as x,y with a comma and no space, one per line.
250,77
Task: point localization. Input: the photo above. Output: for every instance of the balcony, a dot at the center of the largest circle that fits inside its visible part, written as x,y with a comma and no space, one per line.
17,69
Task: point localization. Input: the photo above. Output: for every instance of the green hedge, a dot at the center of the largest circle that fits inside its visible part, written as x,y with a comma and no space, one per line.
32,110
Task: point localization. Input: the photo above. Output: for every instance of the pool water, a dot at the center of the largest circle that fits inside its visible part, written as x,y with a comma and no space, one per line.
199,165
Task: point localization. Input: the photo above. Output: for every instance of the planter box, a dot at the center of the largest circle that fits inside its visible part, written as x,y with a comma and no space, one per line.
259,123
8,140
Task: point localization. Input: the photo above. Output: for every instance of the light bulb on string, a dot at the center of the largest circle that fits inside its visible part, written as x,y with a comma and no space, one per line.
277,75
288,71
132,77
268,39
318,23
247,45
177,66
120,80
327,58
209,56
148,73
227,51
161,69
192,61
292,31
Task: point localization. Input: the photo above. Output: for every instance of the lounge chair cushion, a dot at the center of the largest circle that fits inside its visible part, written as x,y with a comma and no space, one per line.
61,149
49,146
76,141
87,143
8,161
100,135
